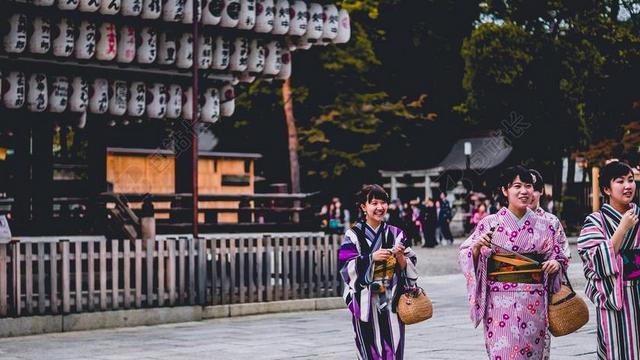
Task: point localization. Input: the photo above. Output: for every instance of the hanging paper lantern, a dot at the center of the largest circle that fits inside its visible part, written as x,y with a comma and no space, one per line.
118,98
14,90
147,42
85,46
151,9
227,100
330,24
344,27
210,105
315,27
285,68
173,10
68,4
136,96
174,102
230,14
99,96
184,59
187,104
221,53
40,39
156,101
298,24
107,46
205,47
166,48
282,18
58,94
265,11
110,7
78,95
89,5
273,58
189,11
255,65
245,77
131,7
126,44
212,12
37,94
247,17
239,55
15,41
82,120
63,38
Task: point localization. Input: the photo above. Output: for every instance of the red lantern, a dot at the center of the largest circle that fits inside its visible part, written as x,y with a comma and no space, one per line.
107,47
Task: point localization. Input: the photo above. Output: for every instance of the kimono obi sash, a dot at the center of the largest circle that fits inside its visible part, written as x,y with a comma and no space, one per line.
631,264
383,272
512,269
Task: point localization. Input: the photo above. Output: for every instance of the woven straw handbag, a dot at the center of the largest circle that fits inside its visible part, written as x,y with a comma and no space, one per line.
414,306
567,311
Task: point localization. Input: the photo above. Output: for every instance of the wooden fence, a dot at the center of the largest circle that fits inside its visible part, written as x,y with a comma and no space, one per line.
54,276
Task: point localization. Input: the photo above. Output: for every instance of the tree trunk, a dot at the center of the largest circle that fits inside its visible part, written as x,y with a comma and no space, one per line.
294,166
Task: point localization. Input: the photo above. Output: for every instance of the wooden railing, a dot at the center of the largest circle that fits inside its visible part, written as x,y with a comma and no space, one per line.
54,276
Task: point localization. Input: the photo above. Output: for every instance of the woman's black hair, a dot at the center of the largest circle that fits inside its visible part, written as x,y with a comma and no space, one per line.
612,171
511,173
369,192
538,181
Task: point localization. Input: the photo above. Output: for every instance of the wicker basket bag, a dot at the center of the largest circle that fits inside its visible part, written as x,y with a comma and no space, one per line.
414,306
567,311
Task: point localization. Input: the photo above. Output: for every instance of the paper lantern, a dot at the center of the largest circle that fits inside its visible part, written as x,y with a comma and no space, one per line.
82,120
43,2
221,53
265,11
330,24
205,47
173,10
174,102
64,33
239,55
210,105
273,58
151,9
37,94
131,7
245,77
40,39
89,5
156,101
315,27
282,18
136,96
230,14
166,48
189,11
344,27
78,95
298,24
107,42
14,90
85,47
247,17
212,12
184,60
110,7
15,41
147,43
255,65
285,68
99,96
227,100
118,93
68,4
187,104
126,44
58,94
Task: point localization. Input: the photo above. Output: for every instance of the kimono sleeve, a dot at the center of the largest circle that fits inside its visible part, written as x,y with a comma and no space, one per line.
555,250
357,273
411,271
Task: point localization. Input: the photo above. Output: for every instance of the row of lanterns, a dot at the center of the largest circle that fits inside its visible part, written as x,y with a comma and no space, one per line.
312,21
146,46
58,94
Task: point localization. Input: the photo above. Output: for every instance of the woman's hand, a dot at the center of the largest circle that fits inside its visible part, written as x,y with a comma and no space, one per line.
381,254
629,220
551,267
398,251
483,241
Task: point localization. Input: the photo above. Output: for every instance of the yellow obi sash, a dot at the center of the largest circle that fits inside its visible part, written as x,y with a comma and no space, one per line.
511,269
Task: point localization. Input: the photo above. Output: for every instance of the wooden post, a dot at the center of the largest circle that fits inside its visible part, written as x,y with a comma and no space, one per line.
3,279
595,188
66,277
78,270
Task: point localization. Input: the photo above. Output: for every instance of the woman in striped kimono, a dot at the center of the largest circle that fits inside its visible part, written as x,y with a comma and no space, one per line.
376,263
609,246
509,262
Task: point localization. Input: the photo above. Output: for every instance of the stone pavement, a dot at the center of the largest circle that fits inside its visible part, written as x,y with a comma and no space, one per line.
314,335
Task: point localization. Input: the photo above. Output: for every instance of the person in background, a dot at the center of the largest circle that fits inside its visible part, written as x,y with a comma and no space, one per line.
479,214
429,220
445,208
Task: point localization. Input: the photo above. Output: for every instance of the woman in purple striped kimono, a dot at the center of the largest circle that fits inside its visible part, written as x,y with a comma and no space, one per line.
509,262
609,245
376,263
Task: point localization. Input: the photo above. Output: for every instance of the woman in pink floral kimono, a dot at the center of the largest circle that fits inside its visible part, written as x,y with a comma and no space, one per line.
509,262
